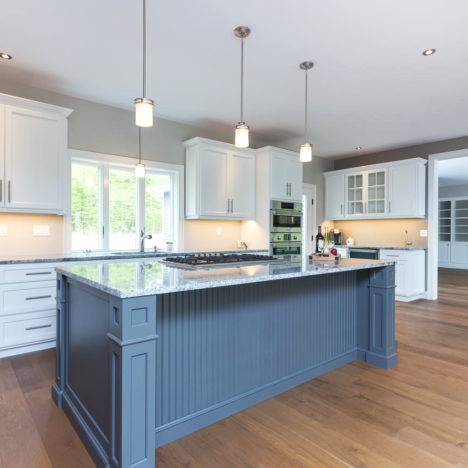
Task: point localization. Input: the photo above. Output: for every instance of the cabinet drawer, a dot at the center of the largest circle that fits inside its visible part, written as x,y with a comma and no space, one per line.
18,275
393,255
16,330
17,298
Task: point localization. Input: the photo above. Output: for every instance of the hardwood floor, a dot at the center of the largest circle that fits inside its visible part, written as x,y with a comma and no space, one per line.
414,415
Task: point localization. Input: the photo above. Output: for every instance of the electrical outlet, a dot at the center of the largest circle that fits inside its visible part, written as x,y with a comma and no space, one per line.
3,230
219,231
423,232
41,230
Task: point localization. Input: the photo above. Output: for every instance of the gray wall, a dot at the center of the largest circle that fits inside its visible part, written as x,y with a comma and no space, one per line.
454,191
415,151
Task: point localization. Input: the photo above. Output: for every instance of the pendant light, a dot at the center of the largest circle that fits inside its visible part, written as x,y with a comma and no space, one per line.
241,132
143,105
140,167
305,150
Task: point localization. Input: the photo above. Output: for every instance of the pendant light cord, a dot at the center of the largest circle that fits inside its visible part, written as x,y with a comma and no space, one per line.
139,145
306,132
242,81
144,48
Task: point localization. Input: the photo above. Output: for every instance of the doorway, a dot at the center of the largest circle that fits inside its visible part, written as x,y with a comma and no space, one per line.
309,209
434,223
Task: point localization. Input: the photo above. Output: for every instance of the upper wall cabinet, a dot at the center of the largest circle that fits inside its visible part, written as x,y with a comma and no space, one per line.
220,180
390,190
33,145
285,171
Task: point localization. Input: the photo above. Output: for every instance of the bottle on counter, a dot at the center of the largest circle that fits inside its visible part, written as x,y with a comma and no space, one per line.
319,240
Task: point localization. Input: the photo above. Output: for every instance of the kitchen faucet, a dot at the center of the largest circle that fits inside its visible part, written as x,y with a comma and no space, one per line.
407,244
144,236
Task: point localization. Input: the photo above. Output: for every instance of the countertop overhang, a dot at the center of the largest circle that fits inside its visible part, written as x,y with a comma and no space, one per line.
145,278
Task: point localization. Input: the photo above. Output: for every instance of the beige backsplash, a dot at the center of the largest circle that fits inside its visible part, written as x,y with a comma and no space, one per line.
383,232
20,239
200,234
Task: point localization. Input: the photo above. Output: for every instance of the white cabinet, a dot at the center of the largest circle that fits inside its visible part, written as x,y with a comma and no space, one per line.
453,232
410,272
407,190
220,180
343,251
286,175
389,190
334,196
33,141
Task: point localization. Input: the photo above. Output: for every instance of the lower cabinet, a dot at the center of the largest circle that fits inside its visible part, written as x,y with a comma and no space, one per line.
410,272
27,308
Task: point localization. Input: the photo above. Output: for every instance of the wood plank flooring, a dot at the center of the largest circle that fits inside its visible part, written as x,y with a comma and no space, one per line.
414,415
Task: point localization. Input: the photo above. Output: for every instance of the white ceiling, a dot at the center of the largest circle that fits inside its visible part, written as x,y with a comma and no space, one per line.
453,172
370,86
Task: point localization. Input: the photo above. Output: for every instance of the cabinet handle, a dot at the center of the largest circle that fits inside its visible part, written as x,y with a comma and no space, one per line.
39,326
341,209
389,206
1,190
229,204
33,298
39,273
9,191
232,205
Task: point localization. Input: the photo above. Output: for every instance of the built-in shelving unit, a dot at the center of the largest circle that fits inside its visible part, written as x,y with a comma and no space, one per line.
453,232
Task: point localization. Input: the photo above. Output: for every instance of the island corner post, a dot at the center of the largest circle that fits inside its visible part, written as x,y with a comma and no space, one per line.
136,373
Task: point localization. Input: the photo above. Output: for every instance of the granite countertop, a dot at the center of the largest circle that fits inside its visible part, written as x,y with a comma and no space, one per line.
145,278
96,256
380,247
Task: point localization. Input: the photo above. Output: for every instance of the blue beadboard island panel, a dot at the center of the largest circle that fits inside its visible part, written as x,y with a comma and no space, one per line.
139,371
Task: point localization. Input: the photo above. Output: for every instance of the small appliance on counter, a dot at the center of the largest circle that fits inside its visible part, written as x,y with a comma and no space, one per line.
337,236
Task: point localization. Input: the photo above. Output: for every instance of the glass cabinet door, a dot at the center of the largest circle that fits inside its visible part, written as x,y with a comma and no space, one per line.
461,220
376,192
445,220
355,192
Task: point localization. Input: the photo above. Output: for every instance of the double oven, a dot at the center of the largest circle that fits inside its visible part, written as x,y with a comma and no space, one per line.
285,228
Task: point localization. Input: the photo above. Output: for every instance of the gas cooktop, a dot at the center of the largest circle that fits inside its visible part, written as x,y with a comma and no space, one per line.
210,260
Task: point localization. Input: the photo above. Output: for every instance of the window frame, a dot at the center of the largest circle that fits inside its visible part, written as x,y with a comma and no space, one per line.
105,162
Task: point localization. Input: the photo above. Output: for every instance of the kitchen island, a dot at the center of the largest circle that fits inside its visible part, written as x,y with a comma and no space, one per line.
147,353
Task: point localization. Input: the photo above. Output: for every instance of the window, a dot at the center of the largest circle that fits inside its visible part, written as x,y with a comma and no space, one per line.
110,206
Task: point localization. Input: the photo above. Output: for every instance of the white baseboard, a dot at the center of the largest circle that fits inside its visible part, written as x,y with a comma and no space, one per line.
26,349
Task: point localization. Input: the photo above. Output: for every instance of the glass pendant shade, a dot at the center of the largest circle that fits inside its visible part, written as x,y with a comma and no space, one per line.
144,112
140,170
241,139
305,152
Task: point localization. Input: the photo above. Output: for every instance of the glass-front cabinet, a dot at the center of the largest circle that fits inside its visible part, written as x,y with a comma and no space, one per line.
445,220
366,193
460,220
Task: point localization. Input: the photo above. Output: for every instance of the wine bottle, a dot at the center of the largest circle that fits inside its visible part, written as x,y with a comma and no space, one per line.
319,239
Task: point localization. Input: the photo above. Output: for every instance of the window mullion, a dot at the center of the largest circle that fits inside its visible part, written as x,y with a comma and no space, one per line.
104,207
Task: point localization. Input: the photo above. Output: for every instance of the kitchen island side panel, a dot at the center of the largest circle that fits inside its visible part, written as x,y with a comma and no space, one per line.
222,344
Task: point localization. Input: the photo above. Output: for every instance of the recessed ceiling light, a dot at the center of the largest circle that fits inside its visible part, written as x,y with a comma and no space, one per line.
429,52
358,148
5,56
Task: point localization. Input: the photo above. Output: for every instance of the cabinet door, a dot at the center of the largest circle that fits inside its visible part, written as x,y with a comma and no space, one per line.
34,153
213,182
334,196
401,279
241,181
405,191
459,253
294,178
376,199
2,155
355,194
444,252
279,177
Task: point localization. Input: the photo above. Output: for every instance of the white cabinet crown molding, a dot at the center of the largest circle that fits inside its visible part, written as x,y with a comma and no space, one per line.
371,167
38,105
